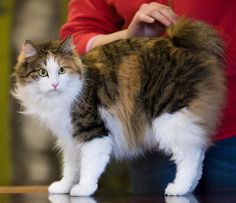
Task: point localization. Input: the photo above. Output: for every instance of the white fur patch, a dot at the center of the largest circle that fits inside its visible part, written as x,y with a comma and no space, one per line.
95,155
71,166
180,135
178,129
52,67
120,143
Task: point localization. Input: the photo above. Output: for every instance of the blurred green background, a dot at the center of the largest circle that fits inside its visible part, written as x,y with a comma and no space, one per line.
27,156
5,151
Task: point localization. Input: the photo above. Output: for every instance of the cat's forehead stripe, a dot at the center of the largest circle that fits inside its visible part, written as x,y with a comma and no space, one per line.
51,61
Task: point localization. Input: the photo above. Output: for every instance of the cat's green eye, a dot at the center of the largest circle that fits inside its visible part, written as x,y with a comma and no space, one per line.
62,70
42,72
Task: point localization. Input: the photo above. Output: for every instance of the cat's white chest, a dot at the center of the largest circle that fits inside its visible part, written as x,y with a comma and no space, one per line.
58,120
52,109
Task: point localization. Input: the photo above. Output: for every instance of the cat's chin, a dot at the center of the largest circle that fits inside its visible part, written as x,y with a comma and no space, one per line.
54,92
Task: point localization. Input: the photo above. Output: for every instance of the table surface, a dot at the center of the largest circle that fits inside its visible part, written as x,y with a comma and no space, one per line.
39,194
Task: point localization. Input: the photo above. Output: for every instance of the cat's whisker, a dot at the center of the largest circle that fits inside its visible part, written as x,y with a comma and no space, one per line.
87,79
84,104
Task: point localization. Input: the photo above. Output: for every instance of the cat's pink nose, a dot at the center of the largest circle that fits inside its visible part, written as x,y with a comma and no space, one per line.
55,85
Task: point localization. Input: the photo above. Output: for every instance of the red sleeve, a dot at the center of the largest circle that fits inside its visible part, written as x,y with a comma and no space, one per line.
87,18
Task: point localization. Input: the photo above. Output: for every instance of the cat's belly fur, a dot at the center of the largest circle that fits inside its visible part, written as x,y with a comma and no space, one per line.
121,148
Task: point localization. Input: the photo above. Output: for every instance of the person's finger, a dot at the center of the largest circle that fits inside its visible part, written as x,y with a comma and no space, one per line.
142,17
165,10
160,18
168,13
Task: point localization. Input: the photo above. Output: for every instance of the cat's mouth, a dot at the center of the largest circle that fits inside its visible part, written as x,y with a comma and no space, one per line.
53,92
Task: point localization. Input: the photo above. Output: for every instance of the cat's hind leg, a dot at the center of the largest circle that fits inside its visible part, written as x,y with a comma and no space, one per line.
71,167
180,135
94,156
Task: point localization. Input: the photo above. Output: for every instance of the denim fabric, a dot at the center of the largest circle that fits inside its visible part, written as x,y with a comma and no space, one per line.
219,170
152,173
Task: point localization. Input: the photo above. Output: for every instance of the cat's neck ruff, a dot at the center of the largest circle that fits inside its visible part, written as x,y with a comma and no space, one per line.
39,103
52,110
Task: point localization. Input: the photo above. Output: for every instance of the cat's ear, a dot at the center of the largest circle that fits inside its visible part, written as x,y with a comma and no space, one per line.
67,45
29,49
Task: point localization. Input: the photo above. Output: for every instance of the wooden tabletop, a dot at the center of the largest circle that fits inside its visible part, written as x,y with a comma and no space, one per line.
23,189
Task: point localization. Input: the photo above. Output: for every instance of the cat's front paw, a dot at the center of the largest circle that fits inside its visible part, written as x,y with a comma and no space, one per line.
83,190
60,187
176,189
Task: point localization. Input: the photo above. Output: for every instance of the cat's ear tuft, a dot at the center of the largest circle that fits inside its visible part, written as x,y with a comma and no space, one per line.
67,45
29,49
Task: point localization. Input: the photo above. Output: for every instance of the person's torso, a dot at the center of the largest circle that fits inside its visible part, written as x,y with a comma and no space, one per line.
218,13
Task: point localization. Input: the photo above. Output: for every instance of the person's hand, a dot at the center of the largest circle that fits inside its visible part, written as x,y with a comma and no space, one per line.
151,20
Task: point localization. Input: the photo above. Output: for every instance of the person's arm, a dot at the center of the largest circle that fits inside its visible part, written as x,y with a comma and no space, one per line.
150,20
88,19
96,23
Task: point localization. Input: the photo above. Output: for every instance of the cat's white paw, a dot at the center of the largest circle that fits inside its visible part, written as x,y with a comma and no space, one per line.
83,190
60,187
177,189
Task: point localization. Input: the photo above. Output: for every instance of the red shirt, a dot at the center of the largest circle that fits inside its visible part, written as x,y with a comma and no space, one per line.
88,18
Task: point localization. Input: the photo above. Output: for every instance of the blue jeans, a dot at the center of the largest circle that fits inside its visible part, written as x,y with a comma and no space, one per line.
152,173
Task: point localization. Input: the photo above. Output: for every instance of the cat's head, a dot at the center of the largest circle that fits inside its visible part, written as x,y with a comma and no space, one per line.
48,70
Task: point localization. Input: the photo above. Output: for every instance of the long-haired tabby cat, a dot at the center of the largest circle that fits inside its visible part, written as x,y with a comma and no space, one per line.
125,98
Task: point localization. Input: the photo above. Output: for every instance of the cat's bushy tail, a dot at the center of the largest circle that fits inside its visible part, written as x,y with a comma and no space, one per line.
195,35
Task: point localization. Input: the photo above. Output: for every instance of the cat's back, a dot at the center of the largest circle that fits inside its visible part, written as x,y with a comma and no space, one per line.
140,79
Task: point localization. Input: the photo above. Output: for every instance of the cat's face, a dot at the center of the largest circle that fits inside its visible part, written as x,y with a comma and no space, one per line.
49,69
47,75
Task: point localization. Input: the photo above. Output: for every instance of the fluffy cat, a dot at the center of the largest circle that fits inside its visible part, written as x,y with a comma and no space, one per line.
124,98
